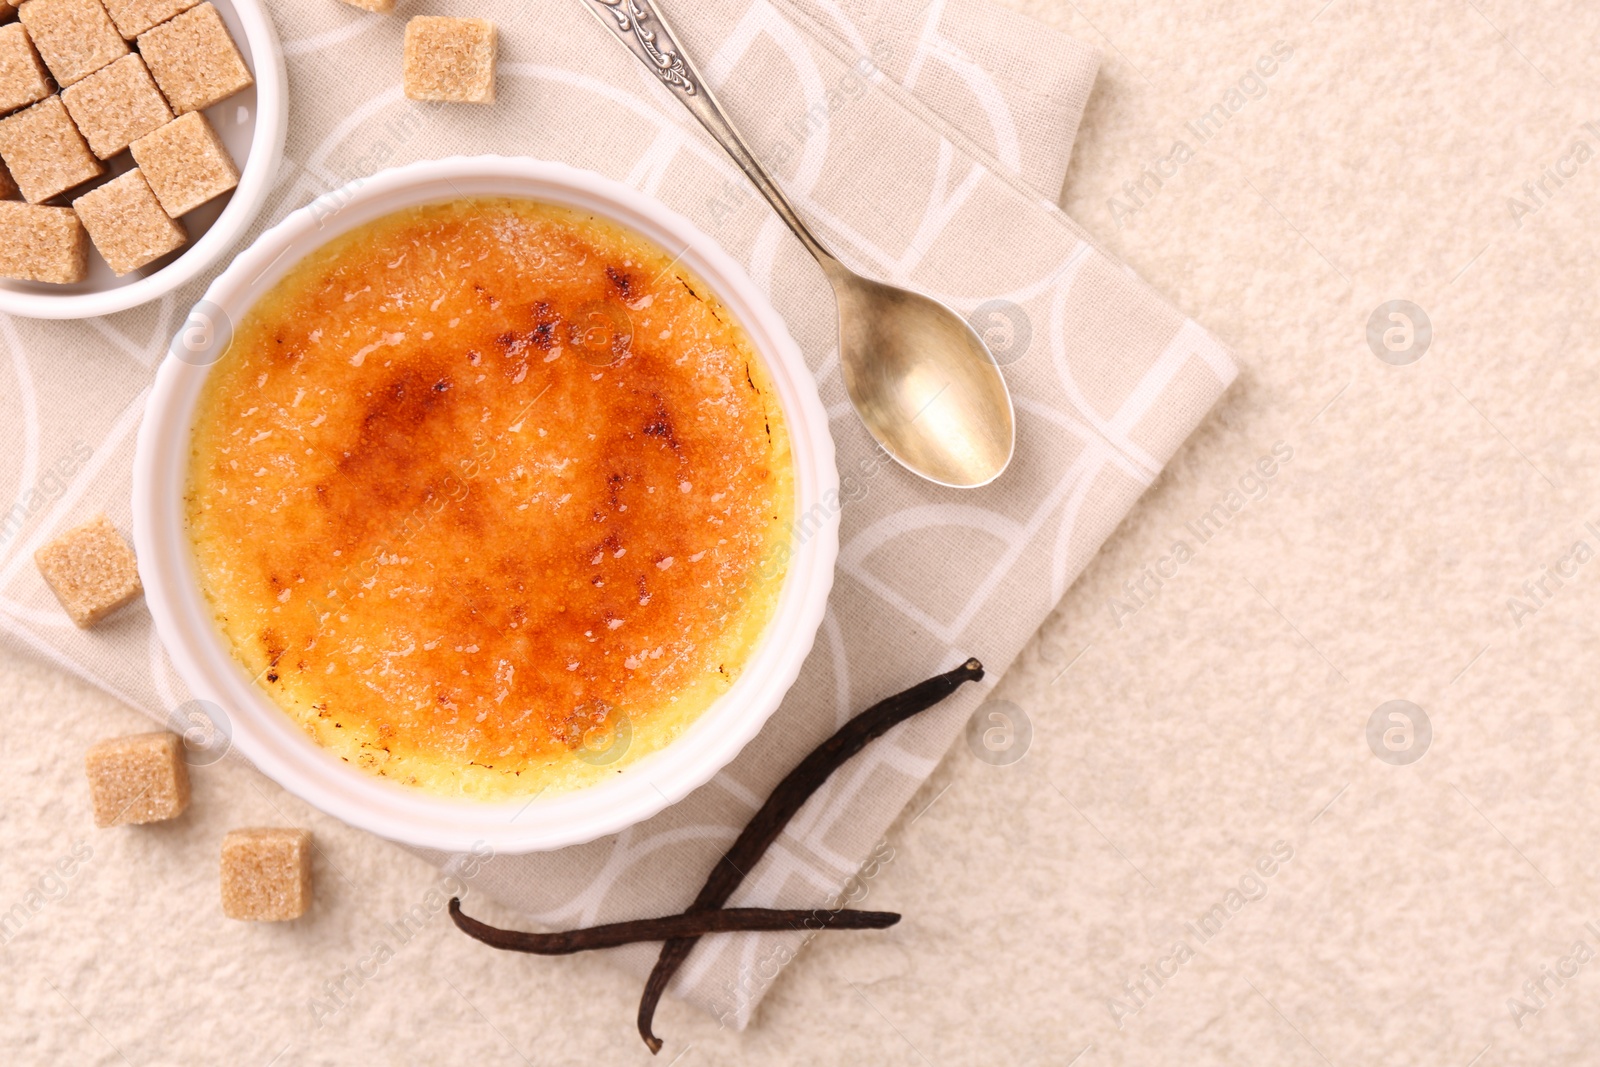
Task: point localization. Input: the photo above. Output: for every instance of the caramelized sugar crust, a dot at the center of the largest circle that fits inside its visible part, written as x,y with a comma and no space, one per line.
489,493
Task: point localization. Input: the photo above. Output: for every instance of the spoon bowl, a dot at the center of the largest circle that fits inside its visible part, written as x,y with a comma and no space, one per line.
925,385
923,381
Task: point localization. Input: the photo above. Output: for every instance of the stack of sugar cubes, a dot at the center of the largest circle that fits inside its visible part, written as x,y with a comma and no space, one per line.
147,100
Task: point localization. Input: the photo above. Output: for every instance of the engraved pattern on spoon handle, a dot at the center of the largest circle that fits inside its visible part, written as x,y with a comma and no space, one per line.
640,26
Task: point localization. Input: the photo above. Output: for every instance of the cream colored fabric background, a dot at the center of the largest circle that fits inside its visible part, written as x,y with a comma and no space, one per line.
1170,752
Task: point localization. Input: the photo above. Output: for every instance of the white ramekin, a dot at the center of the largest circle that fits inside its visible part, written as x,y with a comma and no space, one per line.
268,738
252,125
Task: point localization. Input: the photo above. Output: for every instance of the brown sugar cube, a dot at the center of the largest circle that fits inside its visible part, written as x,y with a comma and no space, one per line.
115,106
137,779
126,223
42,244
133,17
194,60
450,59
266,874
44,151
382,7
8,188
23,79
90,568
75,37
186,163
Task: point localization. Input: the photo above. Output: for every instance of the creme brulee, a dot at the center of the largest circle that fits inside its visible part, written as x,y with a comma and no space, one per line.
489,497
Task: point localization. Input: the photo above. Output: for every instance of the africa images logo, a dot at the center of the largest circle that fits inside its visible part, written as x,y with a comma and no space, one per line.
1137,194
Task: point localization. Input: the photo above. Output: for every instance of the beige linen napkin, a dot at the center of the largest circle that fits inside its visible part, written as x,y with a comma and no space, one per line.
926,141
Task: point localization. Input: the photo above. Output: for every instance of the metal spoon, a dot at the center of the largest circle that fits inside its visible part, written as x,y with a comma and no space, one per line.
921,379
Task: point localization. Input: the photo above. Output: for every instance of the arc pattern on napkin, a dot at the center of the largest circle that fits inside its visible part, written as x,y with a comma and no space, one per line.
927,142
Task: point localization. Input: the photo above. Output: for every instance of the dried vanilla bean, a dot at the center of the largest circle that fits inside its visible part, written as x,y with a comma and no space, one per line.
668,927
787,799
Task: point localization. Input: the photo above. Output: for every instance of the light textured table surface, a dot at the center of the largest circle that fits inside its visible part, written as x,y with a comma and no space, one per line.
1179,731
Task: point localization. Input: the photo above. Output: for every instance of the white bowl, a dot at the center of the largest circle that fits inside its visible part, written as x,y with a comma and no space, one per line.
252,124
267,736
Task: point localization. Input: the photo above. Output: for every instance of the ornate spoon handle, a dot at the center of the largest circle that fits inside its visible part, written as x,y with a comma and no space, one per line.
640,26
